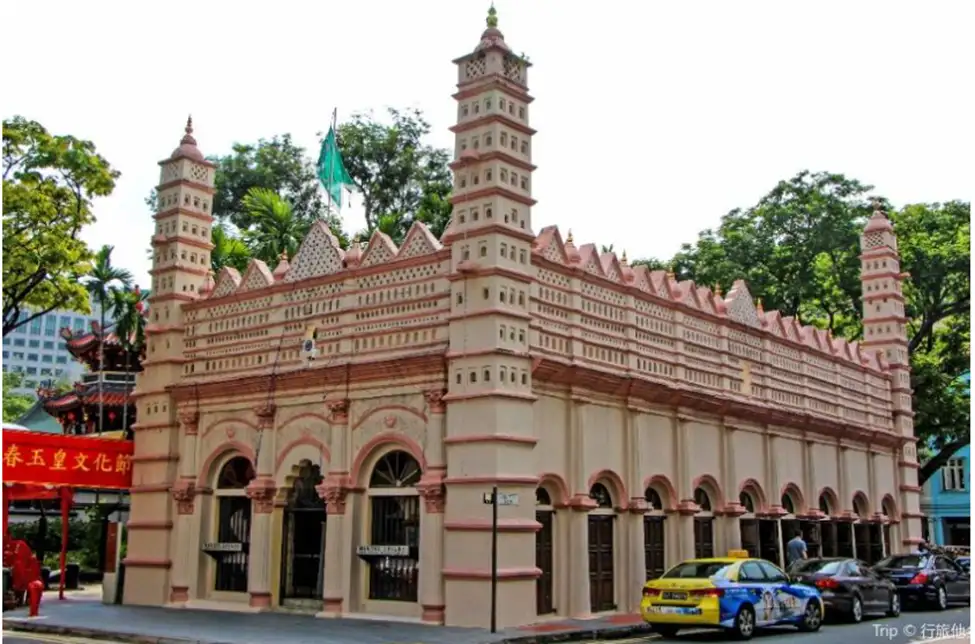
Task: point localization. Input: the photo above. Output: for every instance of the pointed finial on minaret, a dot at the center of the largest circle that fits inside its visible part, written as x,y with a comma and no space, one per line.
758,305
717,290
670,274
189,124
623,259
568,239
492,18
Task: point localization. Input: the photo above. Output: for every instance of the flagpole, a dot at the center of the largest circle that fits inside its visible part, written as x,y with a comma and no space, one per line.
331,166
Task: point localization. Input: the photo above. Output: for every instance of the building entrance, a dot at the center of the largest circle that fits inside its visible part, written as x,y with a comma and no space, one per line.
303,541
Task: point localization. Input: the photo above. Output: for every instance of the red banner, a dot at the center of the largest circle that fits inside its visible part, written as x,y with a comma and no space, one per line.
72,461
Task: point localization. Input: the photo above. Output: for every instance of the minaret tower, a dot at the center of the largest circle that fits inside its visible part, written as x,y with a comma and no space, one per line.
489,424
181,258
885,330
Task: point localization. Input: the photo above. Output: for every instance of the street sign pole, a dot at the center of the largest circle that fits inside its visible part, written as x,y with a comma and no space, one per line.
494,559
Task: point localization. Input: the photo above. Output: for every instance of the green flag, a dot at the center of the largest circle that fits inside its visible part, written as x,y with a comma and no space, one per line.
331,170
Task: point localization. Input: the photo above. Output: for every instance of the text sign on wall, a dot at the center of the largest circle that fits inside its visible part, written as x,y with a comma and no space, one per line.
71,461
503,498
383,551
227,546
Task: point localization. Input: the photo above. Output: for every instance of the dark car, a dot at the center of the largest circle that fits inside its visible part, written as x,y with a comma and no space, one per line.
965,563
850,589
928,579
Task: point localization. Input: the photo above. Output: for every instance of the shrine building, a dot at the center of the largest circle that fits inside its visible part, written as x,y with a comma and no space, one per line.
320,435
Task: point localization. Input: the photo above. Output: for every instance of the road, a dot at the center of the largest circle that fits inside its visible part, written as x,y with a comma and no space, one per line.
949,627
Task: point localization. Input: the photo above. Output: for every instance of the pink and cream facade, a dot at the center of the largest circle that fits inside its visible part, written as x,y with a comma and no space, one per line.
321,435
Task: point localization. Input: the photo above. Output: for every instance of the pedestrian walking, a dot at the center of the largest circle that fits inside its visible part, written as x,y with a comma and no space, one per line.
795,550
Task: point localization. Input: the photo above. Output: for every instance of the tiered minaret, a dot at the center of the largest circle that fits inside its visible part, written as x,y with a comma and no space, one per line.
489,434
181,259
885,330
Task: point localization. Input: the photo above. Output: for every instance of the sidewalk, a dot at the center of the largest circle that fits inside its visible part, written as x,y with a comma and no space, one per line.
145,625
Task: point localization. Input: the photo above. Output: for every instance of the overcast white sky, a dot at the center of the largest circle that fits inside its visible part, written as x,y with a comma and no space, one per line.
653,118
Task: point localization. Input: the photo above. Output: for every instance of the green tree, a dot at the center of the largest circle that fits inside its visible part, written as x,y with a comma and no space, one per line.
49,182
128,307
798,249
14,405
228,250
104,278
400,179
275,229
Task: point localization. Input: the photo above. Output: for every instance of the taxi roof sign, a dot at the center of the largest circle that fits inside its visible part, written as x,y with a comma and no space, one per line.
738,554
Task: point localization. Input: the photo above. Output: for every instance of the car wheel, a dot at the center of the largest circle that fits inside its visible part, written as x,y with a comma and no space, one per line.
894,609
941,599
856,610
812,617
743,627
665,630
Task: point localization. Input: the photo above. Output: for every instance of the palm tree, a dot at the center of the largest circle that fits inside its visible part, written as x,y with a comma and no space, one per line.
102,279
276,229
228,250
128,307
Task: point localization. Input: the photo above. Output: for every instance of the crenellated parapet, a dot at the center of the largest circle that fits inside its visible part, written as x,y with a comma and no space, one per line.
594,309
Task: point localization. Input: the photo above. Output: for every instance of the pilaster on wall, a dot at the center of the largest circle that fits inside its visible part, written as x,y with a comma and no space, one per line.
181,256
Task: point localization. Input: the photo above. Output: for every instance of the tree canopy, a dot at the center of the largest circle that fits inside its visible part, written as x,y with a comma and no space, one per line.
806,233
15,405
400,179
49,183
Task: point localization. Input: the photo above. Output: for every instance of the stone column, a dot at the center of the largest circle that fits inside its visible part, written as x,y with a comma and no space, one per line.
580,602
637,556
334,491
184,493
261,492
686,506
431,488
431,551
732,509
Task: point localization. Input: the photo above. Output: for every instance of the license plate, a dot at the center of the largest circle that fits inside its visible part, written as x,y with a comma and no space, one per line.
675,596
675,610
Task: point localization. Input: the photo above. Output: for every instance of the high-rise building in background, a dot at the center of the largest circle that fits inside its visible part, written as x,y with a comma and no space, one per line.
38,351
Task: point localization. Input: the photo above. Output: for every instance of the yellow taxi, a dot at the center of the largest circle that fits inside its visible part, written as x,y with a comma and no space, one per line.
736,593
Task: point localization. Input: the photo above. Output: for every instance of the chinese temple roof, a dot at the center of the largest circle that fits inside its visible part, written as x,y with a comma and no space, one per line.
113,394
83,345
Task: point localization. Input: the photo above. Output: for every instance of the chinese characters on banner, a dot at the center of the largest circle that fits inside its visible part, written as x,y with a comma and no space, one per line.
73,461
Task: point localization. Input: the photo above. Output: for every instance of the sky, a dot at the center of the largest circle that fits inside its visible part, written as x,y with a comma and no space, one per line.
654,119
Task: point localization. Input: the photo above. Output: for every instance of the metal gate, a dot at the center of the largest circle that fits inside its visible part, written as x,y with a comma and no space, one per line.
844,540
830,539
875,531
748,528
234,513
768,539
395,522
544,602
654,546
812,535
303,540
703,537
601,585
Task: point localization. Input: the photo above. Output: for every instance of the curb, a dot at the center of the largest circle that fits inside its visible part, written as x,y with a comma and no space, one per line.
610,633
585,635
96,634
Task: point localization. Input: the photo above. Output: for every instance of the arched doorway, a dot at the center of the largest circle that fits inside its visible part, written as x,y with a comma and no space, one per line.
654,534
544,553
303,538
791,502
231,551
703,525
602,585
865,533
394,528
748,525
829,529
890,516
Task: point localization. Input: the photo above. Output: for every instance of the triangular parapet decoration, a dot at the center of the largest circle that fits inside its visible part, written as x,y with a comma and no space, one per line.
662,284
419,241
589,260
641,279
687,294
318,255
611,267
549,245
227,282
380,250
257,276
741,307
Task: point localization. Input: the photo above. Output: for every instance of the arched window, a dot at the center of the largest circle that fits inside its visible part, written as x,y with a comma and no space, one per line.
600,495
542,497
788,505
747,502
396,469
654,500
303,493
702,499
824,505
859,507
235,474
